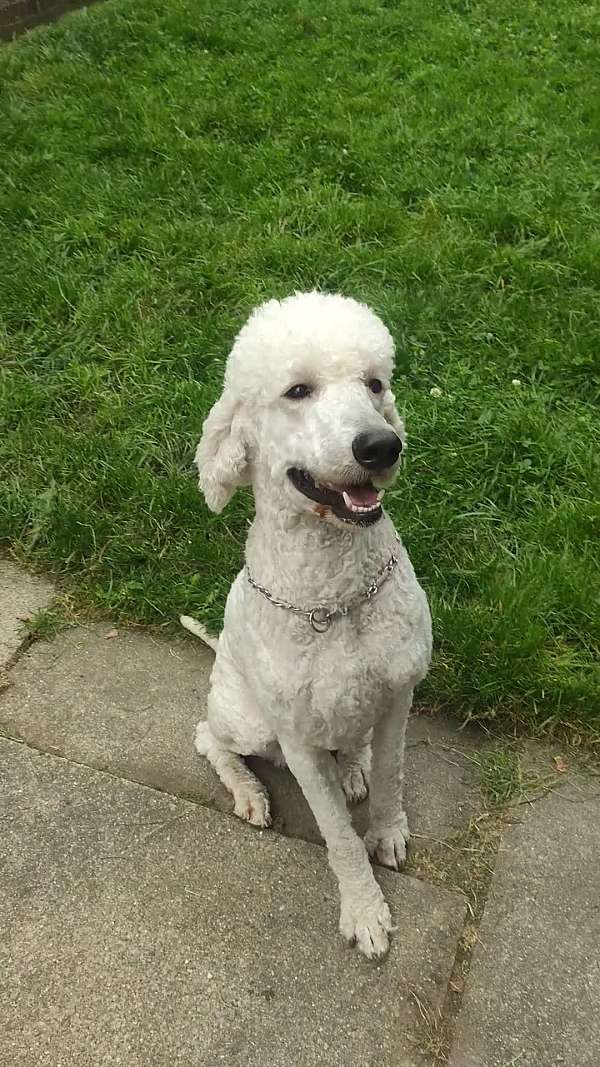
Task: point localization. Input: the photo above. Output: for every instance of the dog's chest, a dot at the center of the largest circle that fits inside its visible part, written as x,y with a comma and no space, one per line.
331,688
349,689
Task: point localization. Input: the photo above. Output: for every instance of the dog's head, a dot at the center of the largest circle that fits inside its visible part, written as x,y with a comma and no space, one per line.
306,414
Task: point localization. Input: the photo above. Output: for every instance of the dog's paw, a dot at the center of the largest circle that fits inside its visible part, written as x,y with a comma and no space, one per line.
355,782
277,757
367,926
252,805
388,847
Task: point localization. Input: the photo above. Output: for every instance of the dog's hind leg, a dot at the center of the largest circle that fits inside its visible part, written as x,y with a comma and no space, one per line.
250,798
355,767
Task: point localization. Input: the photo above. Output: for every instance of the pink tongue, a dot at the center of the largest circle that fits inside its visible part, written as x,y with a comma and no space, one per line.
364,496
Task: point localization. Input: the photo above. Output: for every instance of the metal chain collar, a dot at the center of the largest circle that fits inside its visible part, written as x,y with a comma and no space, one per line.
320,618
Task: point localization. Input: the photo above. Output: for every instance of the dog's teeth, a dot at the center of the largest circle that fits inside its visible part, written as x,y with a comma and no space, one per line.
359,509
381,495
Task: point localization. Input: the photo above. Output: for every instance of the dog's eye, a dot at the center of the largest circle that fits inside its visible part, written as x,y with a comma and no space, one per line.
375,385
298,392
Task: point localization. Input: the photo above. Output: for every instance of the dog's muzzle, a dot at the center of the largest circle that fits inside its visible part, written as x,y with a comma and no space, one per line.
356,504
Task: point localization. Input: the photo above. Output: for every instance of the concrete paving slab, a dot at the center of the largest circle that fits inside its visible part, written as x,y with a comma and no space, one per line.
21,596
533,994
129,704
142,929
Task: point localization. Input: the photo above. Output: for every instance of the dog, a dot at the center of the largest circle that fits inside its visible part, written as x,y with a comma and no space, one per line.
326,631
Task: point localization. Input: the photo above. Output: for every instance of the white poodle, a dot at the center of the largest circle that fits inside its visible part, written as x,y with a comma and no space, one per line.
327,630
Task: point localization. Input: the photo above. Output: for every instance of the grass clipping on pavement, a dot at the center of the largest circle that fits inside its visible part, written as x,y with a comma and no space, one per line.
166,167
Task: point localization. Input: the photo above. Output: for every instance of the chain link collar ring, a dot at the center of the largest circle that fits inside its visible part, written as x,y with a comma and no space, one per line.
320,618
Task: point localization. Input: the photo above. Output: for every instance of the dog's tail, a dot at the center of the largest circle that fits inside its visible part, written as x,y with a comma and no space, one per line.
199,630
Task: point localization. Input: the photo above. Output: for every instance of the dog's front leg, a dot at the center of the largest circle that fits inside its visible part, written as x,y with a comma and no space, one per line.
364,917
387,836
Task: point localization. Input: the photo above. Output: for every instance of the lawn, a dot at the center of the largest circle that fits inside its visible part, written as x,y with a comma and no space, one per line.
166,167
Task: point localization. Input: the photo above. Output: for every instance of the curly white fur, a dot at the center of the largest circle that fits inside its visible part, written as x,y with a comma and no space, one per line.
277,686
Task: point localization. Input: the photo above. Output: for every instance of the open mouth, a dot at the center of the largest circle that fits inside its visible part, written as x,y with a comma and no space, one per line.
360,504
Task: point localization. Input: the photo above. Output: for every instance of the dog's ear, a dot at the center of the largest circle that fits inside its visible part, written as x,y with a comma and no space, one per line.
390,413
222,453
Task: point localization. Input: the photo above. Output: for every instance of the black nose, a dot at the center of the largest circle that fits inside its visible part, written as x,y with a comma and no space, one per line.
377,449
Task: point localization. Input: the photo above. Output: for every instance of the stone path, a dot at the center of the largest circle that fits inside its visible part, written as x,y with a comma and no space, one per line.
143,924
533,995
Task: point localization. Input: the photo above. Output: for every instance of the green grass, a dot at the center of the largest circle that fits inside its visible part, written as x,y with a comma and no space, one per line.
166,167
500,775
509,777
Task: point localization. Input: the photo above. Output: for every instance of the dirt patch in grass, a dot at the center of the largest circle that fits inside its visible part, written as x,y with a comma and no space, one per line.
16,16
